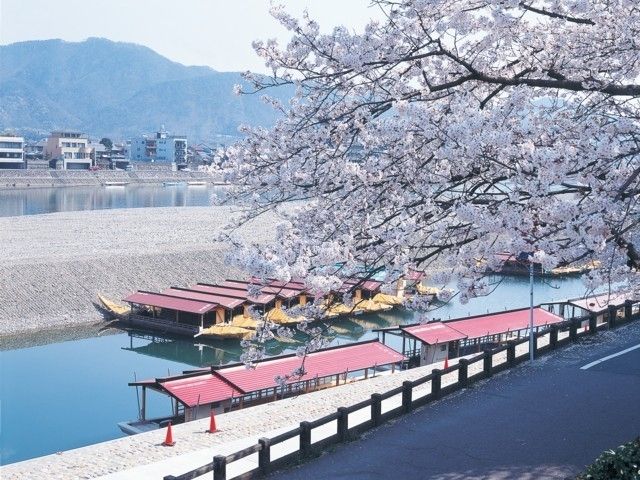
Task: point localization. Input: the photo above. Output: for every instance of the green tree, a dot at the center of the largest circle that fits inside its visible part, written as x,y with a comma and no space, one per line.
107,143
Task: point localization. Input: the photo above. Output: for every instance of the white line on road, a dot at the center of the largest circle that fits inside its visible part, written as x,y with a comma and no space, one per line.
604,359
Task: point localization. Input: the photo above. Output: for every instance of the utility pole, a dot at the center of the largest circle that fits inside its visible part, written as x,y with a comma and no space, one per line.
531,309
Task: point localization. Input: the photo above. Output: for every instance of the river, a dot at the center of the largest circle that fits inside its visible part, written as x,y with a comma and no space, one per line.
33,201
72,393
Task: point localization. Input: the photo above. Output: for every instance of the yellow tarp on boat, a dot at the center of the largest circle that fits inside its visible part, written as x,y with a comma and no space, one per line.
387,299
244,322
277,315
225,330
114,307
424,290
577,269
342,309
371,306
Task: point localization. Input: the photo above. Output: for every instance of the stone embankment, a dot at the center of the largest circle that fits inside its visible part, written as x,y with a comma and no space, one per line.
52,266
68,178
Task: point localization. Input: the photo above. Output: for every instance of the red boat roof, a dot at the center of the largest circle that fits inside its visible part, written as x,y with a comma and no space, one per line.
208,386
172,303
370,285
295,284
225,302
280,292
234,292
509,321
200,389
434,333
323,363
599,303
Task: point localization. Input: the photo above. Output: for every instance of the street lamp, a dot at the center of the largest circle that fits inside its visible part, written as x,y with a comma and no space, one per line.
531,308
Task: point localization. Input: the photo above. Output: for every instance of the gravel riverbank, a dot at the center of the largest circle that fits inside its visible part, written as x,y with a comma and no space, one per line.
52,266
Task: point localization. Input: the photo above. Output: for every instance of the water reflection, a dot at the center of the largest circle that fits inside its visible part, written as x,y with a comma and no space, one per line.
32,201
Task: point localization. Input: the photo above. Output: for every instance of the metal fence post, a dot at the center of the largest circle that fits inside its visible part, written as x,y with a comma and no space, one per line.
264,455
219,467
407,393
343,424
535,341
488,363
628,309
511,353
436,382
553,337
573,330
593,324
376,409
305,437
612,313
463,372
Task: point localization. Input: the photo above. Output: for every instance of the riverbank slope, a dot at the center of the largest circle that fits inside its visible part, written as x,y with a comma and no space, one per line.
52,266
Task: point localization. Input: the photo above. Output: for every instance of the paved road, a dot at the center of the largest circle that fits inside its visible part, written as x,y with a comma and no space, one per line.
546,420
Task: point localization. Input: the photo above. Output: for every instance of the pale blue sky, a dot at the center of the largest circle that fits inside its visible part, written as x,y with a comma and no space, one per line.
217,33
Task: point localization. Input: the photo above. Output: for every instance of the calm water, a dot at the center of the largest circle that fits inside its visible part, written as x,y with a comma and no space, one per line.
32,201
71,394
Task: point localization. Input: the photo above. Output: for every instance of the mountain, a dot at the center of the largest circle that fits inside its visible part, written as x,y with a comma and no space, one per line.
115,89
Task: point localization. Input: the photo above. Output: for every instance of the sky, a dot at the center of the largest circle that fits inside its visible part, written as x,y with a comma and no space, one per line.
216,33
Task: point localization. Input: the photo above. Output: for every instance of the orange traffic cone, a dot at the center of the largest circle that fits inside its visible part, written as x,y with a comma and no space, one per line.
212,424
168,441
446,362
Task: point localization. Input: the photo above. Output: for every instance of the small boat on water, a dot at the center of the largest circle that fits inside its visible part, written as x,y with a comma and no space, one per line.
116,184
117,310
197,183
172,184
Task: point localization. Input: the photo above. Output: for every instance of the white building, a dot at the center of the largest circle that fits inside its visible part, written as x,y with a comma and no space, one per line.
11,152
160,147
68,150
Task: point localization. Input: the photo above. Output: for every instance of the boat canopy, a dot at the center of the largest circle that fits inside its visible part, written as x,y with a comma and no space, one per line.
368,285
479,326
211,385
235,292
323,363
280,292
434,333
200,389
172,303
226,302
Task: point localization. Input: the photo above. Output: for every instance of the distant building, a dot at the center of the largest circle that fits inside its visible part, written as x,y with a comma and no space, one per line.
68,150
11,152
160,147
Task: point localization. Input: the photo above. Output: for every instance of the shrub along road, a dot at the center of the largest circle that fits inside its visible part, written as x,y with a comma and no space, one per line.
546,420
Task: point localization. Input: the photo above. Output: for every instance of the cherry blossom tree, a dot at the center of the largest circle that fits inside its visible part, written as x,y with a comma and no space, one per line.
445,133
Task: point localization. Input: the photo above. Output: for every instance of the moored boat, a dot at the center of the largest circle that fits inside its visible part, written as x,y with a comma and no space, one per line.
115,309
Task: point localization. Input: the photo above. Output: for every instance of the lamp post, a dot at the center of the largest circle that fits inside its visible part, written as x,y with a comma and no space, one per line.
531,309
